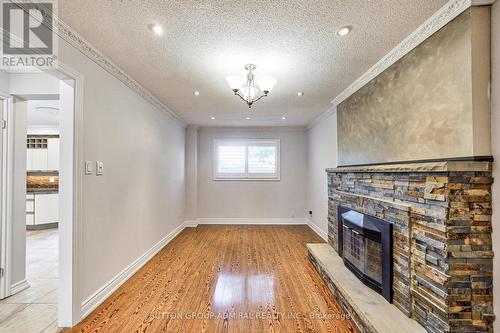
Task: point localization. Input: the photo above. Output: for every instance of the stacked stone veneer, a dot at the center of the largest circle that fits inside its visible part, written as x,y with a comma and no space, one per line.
442,253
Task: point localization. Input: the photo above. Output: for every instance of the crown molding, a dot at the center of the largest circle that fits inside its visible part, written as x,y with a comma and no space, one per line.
322,117
68,34
252,129
483,2
438,20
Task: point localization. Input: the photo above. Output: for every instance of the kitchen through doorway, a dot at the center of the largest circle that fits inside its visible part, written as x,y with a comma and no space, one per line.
39,103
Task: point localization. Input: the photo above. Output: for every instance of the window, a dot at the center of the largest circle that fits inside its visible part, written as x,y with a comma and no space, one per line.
246,159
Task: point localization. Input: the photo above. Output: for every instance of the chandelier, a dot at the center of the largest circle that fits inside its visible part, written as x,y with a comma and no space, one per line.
248,88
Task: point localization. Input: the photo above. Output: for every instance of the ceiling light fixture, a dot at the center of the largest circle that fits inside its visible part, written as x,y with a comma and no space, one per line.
283,118
156,28
247,118
300,93
344,30
49,109
248,88
213,118
196,93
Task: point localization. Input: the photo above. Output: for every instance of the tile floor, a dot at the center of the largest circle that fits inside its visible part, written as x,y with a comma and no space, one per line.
34,310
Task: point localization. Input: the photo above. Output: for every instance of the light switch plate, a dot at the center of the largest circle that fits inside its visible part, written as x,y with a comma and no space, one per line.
99,168
88,167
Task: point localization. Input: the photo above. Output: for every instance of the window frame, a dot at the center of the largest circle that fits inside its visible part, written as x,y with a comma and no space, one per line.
246,176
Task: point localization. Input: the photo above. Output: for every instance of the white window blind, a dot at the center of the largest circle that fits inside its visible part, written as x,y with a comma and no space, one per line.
231,159
246,159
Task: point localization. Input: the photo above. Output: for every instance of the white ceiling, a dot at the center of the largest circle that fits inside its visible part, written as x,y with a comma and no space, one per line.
43,114
205,40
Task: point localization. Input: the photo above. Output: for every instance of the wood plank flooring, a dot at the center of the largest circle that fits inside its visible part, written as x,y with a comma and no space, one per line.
225,279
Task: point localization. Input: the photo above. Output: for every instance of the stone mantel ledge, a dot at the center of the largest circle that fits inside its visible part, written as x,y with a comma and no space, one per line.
444,166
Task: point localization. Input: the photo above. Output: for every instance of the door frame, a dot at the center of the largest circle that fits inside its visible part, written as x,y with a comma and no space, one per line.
5,199
70,234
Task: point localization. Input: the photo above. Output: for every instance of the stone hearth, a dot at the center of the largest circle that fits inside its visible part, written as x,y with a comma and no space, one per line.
442,252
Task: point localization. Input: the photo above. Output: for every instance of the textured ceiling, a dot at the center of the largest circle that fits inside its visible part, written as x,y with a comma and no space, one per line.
205,40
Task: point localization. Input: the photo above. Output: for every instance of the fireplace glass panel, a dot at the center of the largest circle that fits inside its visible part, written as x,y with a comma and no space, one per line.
354,248
373,260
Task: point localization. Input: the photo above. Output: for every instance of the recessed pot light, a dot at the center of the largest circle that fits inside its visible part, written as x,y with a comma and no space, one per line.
196,93
283,118
213,118
344,30
248,118
300,93
156,28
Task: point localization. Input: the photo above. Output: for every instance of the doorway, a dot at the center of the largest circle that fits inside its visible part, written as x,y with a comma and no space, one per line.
38,288
42,207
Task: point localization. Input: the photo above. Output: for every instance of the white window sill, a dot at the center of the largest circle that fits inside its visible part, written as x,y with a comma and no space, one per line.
247,179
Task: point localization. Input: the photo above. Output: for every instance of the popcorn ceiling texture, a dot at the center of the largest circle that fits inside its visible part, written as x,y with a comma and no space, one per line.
204,41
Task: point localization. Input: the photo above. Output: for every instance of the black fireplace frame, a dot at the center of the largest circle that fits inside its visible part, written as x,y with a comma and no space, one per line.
386,239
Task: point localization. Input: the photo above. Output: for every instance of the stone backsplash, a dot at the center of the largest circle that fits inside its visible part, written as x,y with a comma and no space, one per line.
42,182
442,254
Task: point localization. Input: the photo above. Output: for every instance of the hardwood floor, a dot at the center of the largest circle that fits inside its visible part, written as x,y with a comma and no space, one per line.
225,279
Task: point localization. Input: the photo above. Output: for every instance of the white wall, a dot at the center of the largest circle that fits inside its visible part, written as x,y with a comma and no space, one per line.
18,247
4,82
495,132
322,154
190,212
254,199
140,198
22,84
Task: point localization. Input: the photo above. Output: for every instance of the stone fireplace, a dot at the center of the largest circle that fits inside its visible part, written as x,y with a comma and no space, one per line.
440,219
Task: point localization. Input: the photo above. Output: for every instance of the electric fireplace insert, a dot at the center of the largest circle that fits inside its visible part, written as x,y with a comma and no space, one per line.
365,244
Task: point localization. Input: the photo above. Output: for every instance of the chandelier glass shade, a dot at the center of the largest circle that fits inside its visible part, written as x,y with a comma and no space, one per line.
249,88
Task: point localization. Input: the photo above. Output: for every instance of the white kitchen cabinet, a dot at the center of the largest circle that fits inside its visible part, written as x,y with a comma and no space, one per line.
30,206
42,154
39,159
30,209
29,159
46,208
30,219
53,154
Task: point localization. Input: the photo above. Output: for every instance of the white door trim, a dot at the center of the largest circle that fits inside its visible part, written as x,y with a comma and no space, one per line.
70,234
6,201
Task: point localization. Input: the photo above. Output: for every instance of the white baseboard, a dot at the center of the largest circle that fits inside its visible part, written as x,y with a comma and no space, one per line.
105,291
252,220
19,286
191,223
317,230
